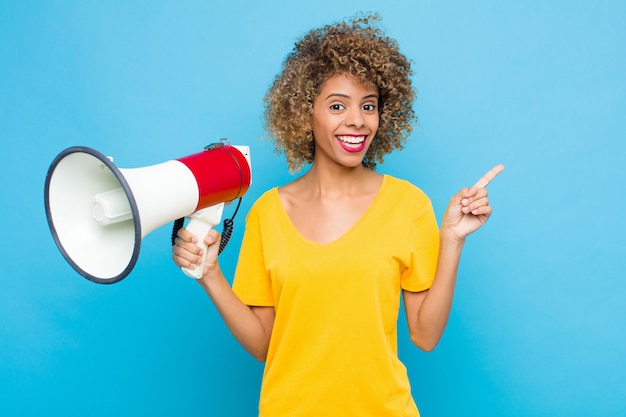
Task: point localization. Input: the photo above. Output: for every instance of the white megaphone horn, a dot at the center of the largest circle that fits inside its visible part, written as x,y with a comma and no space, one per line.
99,213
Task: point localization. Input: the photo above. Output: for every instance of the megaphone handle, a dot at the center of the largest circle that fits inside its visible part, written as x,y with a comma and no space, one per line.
200,223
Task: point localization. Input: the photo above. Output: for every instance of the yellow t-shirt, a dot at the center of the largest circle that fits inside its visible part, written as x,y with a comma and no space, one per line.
333,350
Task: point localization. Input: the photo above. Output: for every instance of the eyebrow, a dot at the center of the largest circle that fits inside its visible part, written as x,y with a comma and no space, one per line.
347,96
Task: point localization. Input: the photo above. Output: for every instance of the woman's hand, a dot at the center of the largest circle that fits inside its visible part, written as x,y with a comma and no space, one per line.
187,254
469,209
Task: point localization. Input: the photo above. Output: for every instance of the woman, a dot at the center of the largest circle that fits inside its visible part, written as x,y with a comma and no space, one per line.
325,258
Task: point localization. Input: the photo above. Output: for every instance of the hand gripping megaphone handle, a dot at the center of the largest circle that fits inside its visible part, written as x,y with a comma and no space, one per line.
200,223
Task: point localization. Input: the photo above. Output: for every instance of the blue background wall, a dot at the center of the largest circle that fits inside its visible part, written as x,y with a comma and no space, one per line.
537,327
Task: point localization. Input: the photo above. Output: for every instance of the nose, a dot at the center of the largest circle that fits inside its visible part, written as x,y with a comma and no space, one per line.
354,117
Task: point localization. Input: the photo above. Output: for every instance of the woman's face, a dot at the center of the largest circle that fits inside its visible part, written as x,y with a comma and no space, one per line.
344,120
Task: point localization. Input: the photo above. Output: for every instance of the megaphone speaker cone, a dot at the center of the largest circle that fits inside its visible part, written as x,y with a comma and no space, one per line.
103,254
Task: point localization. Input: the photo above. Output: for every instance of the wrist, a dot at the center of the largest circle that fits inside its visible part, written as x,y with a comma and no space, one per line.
448,237
209,278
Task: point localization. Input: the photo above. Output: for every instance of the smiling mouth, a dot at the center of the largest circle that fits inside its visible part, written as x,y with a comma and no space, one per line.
353,142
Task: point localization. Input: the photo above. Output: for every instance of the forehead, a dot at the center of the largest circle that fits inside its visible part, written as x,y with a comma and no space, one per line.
347,85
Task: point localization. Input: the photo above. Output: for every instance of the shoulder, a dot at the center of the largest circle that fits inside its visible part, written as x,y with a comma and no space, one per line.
405,199
266,201
405,190
413,209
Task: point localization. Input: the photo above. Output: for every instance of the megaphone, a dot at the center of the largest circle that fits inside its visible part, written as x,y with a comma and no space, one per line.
98,213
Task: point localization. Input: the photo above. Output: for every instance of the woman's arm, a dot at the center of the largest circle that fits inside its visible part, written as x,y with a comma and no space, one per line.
428,311
251,326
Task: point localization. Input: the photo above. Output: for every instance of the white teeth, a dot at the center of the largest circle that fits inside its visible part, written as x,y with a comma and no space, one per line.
355,140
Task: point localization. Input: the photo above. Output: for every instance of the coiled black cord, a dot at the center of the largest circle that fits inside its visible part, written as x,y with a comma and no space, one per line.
178,224
227,230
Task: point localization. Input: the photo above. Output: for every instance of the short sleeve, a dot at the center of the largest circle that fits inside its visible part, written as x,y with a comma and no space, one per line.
424,251
251,283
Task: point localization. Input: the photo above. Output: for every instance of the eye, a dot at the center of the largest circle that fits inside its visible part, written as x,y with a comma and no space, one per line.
337,107
369,107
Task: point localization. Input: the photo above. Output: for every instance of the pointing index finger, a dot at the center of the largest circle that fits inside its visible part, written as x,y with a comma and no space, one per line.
489,176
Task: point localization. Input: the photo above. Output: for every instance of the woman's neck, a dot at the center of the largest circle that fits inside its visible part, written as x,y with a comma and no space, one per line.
339,181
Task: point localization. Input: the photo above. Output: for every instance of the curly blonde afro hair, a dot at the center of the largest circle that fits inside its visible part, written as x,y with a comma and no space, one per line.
357,48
